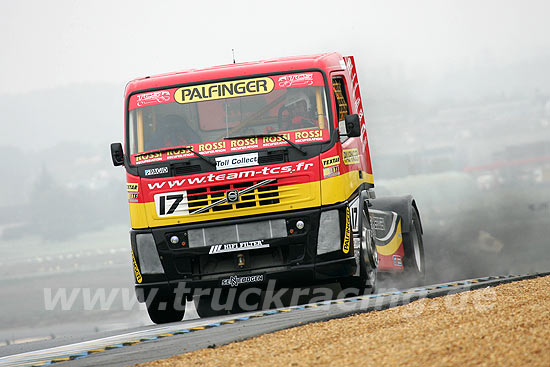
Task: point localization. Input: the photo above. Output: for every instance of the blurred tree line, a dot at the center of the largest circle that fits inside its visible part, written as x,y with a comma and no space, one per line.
56,207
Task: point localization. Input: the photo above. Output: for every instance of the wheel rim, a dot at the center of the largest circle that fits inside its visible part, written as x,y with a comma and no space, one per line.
369,247
416,247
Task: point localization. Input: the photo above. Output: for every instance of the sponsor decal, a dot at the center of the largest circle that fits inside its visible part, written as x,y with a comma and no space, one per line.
351,156
238,246
179,153
148,158
171,204
132,197
269,141
213,91
354,209
156,171
243,144
313,135
331,171
218,177
145,99
350,63
212,148
137,273
378,223
397,260
347,233
308,136
295,80
234,280
237,161
331,161
132,187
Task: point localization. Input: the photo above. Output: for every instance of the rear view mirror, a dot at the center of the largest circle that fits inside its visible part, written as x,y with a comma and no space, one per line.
353,127
117,154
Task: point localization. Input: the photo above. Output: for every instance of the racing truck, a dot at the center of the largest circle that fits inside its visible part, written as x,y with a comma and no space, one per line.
250,173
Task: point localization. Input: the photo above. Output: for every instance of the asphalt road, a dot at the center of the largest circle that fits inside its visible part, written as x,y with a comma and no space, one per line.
150,343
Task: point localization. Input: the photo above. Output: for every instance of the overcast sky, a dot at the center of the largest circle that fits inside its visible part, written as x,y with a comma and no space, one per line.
54,43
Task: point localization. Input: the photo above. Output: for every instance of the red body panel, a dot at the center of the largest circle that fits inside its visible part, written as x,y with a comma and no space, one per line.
328,63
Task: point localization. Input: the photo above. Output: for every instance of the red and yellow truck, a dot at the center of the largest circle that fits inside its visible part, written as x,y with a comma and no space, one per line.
247,173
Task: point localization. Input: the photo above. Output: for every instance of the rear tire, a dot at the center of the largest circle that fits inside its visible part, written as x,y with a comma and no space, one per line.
164,308
414,271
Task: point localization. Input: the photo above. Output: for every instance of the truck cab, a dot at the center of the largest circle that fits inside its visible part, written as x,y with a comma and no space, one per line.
245,174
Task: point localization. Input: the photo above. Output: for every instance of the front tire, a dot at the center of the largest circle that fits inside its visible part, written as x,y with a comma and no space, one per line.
368,260
165,308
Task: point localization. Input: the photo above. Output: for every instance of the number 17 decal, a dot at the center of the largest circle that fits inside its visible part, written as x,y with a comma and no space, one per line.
171,204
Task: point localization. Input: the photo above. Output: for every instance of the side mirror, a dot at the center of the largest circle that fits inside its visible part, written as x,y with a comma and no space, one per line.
353,126
117,154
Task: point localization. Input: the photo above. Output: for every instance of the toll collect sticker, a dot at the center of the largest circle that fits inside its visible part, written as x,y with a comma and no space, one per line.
237,161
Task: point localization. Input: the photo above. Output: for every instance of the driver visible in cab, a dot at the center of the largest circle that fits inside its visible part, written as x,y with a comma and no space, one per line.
299,115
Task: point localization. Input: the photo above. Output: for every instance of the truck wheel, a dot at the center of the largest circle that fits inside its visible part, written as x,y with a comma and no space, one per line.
413,261
368,260
162,309
204,303
204,307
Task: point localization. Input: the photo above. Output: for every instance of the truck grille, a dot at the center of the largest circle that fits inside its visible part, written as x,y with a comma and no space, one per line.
264,195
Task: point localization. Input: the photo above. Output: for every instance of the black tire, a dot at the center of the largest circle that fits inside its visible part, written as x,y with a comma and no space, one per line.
368,260
414,272
203,304
164,308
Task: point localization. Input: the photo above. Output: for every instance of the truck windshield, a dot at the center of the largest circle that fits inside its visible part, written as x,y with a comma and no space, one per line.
200,117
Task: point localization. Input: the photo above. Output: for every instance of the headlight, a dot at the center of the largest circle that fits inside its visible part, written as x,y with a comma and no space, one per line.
149,261
329,232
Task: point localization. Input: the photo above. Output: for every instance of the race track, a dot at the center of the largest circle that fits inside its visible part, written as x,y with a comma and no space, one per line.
151,343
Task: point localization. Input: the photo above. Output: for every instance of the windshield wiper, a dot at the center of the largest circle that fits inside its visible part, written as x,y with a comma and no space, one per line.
267,135
206,159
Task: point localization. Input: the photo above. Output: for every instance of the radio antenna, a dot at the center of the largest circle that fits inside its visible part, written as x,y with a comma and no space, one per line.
233,50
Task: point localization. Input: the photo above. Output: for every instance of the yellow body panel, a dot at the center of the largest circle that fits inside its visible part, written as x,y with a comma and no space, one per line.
339,188
393,245
292,197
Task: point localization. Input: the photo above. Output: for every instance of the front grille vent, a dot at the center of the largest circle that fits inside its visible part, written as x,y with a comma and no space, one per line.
264,195
183,169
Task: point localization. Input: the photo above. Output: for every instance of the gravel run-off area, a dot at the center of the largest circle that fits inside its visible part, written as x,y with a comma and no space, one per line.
507,325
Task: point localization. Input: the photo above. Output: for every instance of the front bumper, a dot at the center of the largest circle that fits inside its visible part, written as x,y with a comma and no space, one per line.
295,276
290,259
